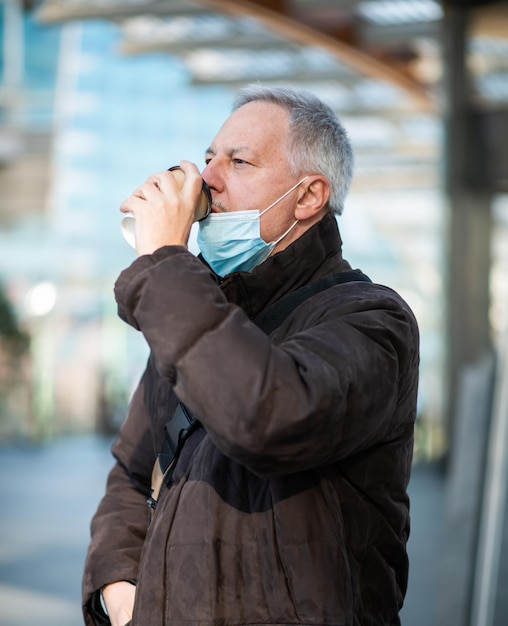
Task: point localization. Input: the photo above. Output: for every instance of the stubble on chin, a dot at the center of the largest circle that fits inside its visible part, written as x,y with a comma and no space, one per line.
219,206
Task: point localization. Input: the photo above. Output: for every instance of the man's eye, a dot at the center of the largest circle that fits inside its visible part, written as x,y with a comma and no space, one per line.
240,162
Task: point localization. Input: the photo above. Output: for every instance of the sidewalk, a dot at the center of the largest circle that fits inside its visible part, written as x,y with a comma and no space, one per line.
48,494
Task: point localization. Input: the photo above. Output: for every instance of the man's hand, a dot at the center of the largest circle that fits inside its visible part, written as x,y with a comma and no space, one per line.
164,212
119,600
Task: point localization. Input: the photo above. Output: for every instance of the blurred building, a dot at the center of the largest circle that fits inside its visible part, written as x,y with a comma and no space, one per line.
82,125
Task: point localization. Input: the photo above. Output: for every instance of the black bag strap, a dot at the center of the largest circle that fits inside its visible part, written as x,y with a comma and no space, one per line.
273,316
178,428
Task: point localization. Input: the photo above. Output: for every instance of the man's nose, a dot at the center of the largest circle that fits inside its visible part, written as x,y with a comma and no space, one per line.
211,176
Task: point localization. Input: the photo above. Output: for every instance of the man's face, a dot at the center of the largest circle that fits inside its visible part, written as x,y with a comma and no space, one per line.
247,166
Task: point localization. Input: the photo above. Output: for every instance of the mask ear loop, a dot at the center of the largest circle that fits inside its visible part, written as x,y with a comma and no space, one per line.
283,196
274,243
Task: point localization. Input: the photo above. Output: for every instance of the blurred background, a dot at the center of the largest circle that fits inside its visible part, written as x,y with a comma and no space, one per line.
97,94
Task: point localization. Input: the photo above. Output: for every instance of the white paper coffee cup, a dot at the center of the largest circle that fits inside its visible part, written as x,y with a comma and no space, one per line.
128,228
203,208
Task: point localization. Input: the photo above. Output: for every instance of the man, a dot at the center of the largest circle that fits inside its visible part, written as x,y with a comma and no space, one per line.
287,501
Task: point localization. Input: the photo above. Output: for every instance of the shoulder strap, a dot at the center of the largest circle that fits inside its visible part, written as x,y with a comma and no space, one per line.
273,316
178,429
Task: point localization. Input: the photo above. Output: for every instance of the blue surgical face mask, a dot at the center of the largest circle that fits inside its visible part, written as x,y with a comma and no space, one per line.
232,241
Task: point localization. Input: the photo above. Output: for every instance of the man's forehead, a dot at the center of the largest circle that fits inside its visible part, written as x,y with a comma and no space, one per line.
251,129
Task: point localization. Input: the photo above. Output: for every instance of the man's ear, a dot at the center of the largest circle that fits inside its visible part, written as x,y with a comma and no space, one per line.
315,196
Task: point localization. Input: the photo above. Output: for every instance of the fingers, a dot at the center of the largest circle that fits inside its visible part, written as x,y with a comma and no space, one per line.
167,184
119,598
186,179
132,204
192,174
149,191
163,182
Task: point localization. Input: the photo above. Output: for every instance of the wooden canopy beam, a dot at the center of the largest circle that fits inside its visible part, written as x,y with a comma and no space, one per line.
287,25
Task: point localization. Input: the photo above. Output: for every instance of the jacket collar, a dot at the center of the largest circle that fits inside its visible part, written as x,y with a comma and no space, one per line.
318,252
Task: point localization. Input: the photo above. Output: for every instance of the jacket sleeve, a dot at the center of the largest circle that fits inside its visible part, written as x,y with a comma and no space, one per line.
119,526
338,377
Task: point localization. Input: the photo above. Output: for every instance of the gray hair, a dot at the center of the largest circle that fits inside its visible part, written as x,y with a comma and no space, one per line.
318,143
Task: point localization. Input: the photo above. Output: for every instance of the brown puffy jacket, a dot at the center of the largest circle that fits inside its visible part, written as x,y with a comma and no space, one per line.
289,505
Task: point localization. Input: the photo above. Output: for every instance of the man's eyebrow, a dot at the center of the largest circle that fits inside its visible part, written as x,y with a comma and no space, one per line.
231,152
235,151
